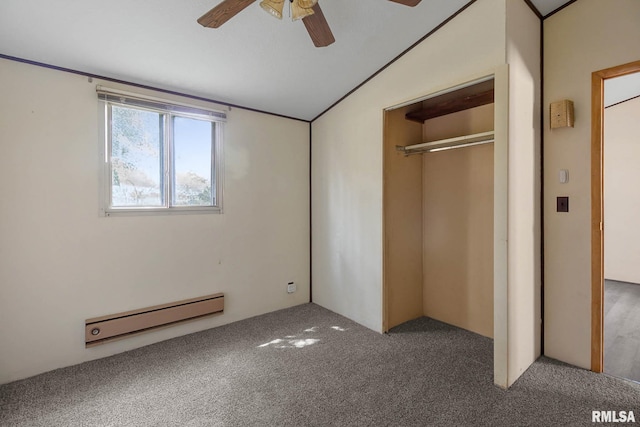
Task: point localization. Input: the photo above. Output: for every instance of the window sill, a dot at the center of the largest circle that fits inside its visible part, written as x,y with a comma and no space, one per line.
161,211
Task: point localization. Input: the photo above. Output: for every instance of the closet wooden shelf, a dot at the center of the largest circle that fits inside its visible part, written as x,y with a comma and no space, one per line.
457,142
452,102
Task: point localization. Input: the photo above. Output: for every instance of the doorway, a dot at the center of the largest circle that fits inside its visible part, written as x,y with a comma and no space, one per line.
603,335
622,226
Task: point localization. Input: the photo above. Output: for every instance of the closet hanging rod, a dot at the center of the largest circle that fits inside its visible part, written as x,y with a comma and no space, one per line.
448,144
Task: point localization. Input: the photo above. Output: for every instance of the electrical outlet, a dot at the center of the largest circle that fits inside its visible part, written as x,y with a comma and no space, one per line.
291,287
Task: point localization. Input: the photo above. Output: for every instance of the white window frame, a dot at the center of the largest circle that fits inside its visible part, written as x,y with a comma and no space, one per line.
108,97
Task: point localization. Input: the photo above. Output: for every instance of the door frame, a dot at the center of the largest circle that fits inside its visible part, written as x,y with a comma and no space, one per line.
597,207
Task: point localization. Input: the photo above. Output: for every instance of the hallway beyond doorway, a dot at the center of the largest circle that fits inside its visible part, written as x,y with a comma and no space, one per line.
622,329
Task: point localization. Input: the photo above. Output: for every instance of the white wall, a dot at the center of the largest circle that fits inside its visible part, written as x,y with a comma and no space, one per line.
61,263
347,157
524,224
621,192
586,36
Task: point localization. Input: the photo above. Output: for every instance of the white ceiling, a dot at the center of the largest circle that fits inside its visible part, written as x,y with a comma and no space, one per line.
545,7
254,60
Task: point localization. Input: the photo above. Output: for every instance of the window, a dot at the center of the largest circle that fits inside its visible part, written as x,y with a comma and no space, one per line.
160,157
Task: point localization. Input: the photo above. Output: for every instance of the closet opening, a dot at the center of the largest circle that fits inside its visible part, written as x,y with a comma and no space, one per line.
438,199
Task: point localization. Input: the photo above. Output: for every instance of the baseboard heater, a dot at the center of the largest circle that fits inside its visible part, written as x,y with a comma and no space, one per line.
108,328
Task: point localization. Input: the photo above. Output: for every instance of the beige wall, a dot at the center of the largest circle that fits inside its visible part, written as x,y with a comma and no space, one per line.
458,224
524,193
621,191
465,122
347,157
61,263
587,36
402,200
458,237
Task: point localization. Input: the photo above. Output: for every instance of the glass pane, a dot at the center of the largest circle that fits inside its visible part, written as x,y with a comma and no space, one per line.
192,144
136,158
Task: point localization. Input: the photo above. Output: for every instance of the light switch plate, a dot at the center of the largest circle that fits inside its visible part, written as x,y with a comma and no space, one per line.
563,176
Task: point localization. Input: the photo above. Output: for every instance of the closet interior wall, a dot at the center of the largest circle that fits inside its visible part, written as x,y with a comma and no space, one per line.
438,221
458,223
402,220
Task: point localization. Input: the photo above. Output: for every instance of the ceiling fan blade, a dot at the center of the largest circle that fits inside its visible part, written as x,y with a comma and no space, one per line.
223,12
318,28
408,2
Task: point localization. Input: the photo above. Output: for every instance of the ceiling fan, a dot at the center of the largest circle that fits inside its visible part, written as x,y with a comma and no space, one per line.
307,10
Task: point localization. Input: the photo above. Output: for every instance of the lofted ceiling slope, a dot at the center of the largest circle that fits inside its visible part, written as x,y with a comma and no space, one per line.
253,60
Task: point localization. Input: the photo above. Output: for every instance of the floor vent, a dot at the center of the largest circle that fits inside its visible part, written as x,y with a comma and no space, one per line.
107,328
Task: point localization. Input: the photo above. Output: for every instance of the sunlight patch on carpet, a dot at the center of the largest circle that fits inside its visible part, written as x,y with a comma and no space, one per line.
291,343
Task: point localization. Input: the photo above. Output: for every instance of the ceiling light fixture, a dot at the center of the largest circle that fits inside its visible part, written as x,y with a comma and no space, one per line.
274,7
299,8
